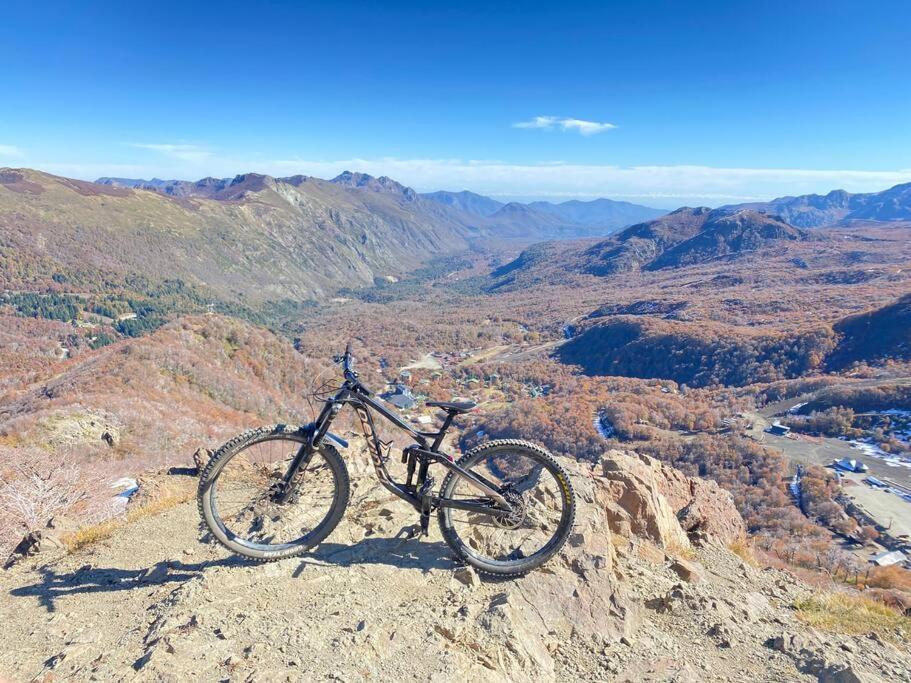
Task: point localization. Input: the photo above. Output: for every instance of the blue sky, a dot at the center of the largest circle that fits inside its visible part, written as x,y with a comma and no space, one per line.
706,103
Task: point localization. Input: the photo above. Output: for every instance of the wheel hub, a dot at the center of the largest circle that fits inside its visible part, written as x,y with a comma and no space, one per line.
516,517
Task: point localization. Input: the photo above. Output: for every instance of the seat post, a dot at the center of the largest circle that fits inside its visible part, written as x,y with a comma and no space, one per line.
442,433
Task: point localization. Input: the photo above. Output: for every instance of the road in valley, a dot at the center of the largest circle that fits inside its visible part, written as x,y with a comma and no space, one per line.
890,510
886,507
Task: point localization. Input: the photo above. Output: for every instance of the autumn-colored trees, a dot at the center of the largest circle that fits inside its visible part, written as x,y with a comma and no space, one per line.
862,399
818,490
697,355
836,421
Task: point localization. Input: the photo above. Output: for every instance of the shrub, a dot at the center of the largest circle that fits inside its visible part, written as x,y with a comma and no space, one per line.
35,486
851,613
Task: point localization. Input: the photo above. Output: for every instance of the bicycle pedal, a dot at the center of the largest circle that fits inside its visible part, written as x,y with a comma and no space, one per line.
410,532
425,525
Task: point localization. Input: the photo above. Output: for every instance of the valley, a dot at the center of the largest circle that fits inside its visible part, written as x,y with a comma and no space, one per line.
141,327
444,342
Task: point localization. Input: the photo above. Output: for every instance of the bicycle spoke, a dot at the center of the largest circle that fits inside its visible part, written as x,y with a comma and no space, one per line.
246,501
532,491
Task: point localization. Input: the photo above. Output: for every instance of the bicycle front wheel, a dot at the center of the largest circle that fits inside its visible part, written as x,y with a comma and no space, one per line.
238,494
542,498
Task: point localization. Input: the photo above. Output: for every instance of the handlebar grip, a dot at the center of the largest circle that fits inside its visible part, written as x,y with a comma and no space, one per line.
348,358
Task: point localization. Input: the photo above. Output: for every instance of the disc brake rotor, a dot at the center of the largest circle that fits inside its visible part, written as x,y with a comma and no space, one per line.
516,518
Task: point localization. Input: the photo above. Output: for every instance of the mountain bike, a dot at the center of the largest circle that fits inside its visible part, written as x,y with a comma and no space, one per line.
504,507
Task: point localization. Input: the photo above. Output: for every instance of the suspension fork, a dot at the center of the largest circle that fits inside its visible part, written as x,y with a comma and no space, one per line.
299,463
305,453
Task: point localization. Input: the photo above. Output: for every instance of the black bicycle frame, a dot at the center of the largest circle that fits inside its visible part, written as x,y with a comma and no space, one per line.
420,456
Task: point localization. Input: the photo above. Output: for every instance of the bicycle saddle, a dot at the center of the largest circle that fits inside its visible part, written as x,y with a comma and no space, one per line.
454,407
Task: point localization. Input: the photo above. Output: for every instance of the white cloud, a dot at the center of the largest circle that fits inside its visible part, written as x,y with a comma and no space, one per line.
10,152
181,151
565,124
664,186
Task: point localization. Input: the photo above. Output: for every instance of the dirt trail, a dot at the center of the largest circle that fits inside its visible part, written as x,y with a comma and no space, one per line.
155,600
154,603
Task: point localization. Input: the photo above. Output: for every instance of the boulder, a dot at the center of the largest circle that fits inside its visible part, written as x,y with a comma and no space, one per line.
646,498
789,643
634,503
201,457
50,539
710,515
687,571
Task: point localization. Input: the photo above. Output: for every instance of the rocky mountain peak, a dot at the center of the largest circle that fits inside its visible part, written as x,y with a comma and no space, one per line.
368,182
515,208
838,206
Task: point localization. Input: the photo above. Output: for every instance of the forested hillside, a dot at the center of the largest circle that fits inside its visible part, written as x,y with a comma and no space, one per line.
698,355
693,354
877,335
255,240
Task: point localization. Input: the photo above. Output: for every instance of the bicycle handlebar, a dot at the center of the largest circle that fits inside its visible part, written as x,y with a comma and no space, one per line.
348,359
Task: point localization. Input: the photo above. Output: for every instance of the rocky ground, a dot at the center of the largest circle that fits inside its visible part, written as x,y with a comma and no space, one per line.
629,599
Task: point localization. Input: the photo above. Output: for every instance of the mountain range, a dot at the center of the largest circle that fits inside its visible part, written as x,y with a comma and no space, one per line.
251,239
537,220
595,217
838,206
681,238
254,239
589,218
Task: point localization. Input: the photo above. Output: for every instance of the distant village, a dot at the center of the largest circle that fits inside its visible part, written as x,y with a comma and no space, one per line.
405,391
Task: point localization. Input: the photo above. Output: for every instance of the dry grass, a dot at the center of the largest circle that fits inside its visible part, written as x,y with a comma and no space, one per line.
890,577
90,535
743,549
853,614
684,552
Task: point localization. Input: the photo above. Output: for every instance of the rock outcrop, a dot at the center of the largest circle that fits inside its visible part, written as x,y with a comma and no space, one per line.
644,498
154,603
48,541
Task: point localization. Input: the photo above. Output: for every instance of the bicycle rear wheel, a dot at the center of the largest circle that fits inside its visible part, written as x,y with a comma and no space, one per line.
539,491
238,502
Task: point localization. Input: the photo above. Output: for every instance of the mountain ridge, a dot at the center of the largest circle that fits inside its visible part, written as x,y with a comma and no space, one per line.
252,239
687,236
572,218
467,201
837,207
608,214
728,235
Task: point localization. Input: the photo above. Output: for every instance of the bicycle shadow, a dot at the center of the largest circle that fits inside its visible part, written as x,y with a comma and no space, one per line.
88,579
53,585
395,552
